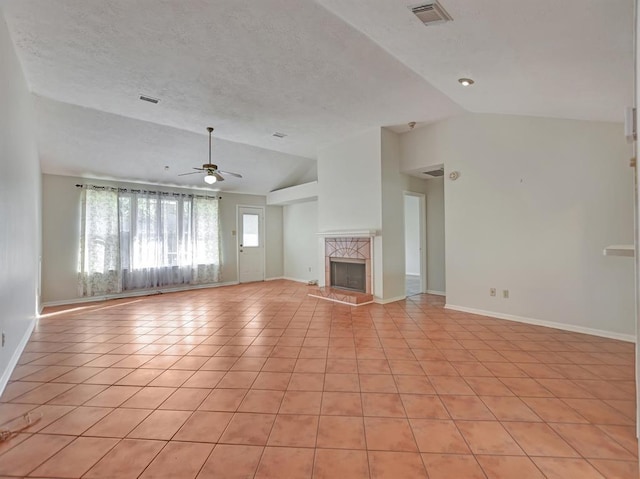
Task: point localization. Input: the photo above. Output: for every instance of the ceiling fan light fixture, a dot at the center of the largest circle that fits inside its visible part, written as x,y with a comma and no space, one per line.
210,178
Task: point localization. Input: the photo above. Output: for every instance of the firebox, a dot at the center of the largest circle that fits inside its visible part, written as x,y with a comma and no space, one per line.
347,273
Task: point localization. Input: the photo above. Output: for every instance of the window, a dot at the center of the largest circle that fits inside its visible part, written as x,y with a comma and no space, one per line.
250,230
137,240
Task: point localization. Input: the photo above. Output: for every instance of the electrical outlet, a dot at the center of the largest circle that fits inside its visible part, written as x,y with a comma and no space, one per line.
3,339
492,292
309,269
505,293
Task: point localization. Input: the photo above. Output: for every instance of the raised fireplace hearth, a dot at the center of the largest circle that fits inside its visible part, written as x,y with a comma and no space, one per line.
348,277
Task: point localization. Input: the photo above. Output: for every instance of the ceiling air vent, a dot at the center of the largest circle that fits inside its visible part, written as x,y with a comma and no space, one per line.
431,13
149,99
434,173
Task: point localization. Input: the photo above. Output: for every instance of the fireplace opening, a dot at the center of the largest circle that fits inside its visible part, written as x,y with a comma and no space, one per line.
349,274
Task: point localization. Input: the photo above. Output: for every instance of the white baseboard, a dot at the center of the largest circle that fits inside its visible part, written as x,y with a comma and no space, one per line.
389,300
414,275
13,362
437,293
275,278
133,294
550,324
297,280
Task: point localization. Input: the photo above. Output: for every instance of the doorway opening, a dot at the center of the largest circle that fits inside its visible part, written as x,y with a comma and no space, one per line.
415,243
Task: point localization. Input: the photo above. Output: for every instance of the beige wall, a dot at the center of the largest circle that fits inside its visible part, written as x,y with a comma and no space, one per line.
61,232
435,236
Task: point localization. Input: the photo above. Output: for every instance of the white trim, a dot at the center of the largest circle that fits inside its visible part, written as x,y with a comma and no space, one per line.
620,250
437,293
13,362
275,278
349,234
132,294
298,280
388,300
549,324
338,301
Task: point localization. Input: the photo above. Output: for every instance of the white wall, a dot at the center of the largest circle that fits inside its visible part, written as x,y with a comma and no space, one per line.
361,187
20,206
412,234
536,202
636,93
424,149
274,237
300,227
435,236
350,194
349,184
394,184
61,232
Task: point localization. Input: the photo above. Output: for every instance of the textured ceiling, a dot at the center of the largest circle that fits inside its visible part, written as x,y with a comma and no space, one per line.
315,70
79,141
554,58
248,68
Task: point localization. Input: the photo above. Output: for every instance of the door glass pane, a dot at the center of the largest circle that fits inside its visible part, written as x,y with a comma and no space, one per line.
250,230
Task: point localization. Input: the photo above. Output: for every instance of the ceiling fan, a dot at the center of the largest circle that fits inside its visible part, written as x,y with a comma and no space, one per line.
213,173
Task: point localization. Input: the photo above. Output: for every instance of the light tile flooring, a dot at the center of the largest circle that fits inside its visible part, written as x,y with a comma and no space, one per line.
261,381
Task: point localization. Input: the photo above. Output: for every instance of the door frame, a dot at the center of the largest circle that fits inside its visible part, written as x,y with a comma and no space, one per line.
422,220
263,231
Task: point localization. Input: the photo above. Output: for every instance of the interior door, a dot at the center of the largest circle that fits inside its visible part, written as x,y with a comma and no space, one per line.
250,244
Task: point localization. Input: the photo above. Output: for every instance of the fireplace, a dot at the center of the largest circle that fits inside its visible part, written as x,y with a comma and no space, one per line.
348,263
350,274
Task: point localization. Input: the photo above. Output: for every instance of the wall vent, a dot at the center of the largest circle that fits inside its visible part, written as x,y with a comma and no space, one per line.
431,13
434,173
149,99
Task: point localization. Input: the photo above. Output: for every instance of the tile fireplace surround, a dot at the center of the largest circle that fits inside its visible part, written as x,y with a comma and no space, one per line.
348,248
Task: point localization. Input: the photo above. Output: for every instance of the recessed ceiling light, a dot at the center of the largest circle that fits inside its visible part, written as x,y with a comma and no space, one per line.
466,81
150,99
277,134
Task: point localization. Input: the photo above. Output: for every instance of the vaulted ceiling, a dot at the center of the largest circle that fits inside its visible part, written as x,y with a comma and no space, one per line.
314,70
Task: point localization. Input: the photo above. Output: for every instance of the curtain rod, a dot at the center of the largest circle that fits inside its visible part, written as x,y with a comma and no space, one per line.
166,193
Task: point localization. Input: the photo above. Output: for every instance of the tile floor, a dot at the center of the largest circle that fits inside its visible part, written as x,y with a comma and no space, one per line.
262,381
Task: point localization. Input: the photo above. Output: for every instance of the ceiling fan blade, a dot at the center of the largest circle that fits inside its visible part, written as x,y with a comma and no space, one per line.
218,176
199,169
230,173
191,173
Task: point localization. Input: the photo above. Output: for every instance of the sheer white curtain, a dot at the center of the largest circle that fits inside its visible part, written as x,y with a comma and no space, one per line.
205,259
162,239
99,261
155,234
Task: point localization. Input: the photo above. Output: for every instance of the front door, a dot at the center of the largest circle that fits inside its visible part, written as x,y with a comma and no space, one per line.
250,244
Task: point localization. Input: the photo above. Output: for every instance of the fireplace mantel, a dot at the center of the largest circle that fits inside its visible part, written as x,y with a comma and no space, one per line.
349,234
